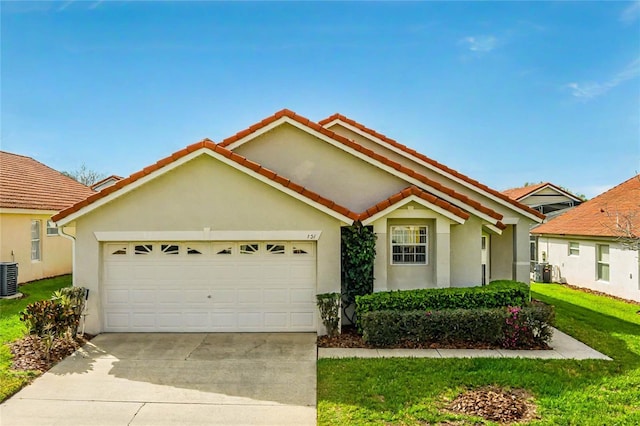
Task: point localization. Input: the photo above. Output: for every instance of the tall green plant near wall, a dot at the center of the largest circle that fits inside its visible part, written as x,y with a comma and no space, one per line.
358,255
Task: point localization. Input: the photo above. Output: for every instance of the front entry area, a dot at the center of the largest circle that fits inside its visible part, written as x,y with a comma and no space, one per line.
209,286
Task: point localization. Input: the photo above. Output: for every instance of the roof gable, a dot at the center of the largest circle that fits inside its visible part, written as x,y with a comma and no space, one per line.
28,184
350,146
520,194
202,148
598,217
440,168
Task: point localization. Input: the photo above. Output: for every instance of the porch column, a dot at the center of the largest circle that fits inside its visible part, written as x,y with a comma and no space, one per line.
443,253
381,261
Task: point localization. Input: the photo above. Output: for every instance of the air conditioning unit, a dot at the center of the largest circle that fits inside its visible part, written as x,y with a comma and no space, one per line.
8,278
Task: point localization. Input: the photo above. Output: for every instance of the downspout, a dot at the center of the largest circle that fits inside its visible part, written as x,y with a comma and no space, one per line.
73,253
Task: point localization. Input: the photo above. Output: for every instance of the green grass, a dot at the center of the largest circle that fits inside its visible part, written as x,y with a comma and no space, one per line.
11,328
567,392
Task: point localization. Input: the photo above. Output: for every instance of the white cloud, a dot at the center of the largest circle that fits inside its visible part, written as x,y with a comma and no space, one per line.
481,43
631,13
590,90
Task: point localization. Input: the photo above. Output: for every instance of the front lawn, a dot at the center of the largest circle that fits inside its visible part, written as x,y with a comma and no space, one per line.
567,392
11,328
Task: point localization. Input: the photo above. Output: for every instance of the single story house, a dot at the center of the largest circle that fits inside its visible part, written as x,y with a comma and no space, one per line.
241,235
595,245
30,193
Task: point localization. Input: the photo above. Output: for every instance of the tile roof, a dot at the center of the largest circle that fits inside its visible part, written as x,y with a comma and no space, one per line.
28,184
430,161
384,160
520,193
208,144
597,217
407,192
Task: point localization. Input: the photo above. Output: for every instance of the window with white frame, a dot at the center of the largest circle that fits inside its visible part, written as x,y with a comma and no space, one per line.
36,247
52,229
574,248
409,245
603,262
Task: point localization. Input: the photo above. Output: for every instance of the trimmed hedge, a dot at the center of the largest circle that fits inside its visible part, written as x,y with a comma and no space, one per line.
510,327
494,295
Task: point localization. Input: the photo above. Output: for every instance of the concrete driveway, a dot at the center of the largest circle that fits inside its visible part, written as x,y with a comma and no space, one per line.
178,379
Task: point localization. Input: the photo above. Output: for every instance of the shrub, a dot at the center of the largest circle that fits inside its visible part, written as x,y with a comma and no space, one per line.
496,294
46,318
72,298
329,305
484,325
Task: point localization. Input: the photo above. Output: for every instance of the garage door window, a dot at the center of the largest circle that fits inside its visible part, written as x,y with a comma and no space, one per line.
143,249
248,248
275,249
191,250
170,249
302,249
118,250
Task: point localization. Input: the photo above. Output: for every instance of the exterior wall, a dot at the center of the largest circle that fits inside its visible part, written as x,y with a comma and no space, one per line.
199,194
302,158
15,246
580,270
502,256
466,254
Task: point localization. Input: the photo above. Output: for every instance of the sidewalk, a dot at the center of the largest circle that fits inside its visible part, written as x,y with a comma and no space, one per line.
564,347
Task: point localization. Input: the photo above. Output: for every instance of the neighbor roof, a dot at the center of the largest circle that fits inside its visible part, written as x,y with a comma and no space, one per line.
432,162
28,184
522,192
597,217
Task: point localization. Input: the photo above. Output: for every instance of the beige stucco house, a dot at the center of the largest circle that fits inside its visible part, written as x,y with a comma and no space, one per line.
241,235
30,193
586,246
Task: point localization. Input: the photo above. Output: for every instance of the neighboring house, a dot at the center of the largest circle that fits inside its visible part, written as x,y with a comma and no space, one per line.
585,247
30,193
547,198
242,235
106,182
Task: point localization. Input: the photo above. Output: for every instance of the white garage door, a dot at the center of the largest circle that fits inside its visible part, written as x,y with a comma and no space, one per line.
209,286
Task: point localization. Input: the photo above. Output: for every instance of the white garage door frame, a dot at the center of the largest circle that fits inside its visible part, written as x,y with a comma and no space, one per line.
209,286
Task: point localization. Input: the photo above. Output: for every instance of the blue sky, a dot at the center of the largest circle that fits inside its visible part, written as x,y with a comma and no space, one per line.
505,92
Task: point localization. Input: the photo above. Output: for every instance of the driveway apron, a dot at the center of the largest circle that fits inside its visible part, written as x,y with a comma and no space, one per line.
176,379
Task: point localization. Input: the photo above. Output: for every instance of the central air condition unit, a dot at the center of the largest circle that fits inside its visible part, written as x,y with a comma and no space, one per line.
8,278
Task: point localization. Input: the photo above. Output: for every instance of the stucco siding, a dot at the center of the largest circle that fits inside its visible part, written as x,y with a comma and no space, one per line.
203,193
581,270
15,246
502,256
321,167
466,254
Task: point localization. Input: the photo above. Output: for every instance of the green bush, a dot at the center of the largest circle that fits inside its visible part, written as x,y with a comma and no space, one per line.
72,298
46,317
496,294
494,326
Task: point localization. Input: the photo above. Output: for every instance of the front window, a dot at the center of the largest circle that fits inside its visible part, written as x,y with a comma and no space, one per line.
35,240
603,262
408,245
574,249
52,229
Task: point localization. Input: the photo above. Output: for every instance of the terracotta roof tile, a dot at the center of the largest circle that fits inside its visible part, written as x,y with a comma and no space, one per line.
430,161
597,217
407,192
28,184
397,166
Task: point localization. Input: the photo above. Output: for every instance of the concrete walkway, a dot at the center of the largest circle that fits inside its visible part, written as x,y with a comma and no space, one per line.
564,347
175,379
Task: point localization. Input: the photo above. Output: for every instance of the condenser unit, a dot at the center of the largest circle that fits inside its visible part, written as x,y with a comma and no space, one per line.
8,278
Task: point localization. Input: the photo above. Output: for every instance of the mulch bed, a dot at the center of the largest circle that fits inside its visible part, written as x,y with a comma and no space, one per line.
349,338
29,352
496,404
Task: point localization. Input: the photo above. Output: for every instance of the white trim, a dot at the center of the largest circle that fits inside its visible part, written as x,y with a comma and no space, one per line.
418,200
5,210
363,157
510,220
430,166
492,228
425,245
207,235
134,185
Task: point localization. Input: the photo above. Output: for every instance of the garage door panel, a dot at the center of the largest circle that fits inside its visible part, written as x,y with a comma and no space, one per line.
258,291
